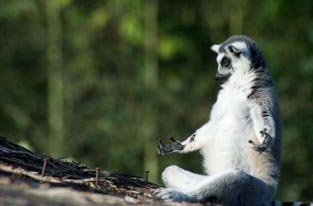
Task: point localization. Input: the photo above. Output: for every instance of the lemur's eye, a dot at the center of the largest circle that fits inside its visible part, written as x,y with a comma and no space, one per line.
225,62
234,51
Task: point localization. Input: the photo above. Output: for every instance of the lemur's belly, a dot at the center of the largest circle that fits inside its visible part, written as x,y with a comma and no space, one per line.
229,148
223,156
231,151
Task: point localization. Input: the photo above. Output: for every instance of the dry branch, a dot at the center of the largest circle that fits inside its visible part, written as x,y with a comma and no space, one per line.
40,179
23,163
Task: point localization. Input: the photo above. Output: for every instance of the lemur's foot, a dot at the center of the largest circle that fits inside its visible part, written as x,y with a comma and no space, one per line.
267,142
169,194
169,148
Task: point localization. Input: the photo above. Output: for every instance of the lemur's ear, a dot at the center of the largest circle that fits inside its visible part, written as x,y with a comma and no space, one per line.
215,47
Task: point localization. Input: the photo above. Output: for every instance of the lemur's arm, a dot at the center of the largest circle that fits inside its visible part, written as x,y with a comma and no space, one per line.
264,126
192,143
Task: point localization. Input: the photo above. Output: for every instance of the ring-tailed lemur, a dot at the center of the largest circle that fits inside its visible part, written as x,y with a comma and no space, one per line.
240,144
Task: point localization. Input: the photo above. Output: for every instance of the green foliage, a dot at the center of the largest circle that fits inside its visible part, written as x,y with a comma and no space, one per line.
103,59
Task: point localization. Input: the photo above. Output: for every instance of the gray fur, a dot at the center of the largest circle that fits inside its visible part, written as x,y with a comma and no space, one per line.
256,55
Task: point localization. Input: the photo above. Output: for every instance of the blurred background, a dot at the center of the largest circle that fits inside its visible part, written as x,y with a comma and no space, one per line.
102,81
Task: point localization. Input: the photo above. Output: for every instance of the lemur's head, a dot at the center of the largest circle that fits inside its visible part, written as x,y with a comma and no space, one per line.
237,55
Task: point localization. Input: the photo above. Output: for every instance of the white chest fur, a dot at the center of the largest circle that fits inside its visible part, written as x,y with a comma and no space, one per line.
231,127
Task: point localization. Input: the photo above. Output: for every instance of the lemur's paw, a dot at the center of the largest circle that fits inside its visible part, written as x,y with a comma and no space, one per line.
169,194
267,142
259,147
169,148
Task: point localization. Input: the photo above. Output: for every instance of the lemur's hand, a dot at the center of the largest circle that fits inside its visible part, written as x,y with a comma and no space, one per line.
267,142
169,148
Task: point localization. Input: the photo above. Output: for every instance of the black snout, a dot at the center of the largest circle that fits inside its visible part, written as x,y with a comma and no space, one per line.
221,77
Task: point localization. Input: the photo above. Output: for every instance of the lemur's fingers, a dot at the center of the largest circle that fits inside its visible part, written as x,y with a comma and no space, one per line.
267,142
164,149
260,147
268,139
264,133
169,194
176,145
161,148
161,143
173,139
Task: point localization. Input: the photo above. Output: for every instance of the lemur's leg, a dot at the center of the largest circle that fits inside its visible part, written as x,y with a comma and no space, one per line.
230,187
178,178
264,126
192,143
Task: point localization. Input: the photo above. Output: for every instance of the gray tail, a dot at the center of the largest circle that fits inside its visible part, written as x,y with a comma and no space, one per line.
280,203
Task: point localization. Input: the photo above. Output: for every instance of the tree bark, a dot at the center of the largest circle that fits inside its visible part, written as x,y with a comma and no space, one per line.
151,82
55,79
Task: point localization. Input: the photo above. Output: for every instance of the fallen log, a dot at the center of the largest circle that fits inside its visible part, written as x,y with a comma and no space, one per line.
27,178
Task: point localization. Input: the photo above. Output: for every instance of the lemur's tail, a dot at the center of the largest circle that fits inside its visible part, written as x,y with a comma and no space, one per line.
280,203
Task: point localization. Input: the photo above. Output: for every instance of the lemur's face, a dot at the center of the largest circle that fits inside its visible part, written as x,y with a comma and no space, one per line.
232,58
